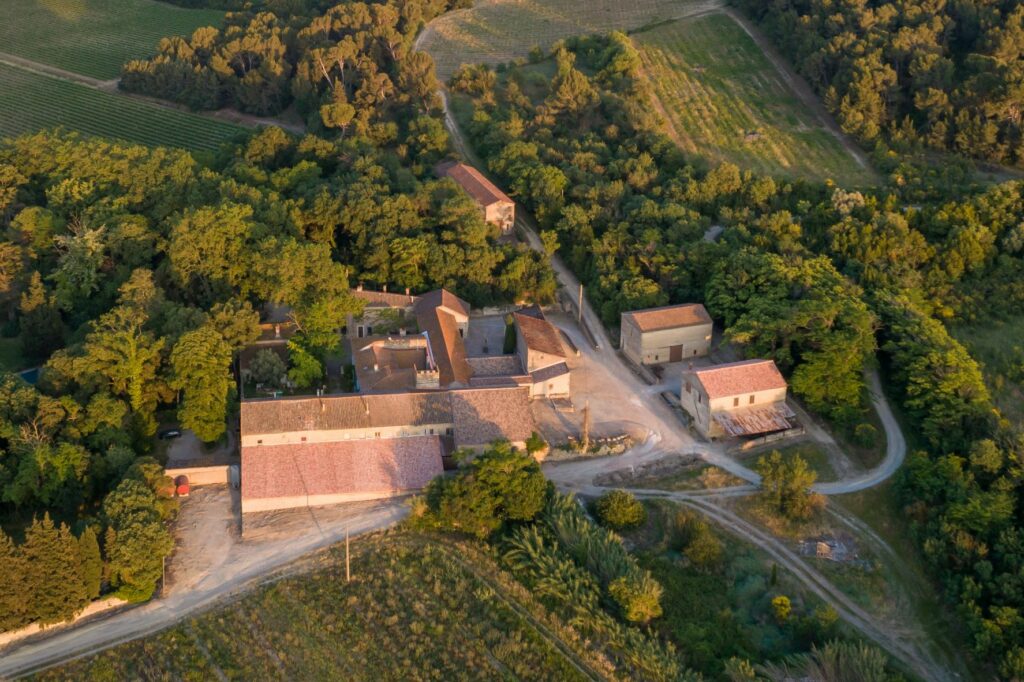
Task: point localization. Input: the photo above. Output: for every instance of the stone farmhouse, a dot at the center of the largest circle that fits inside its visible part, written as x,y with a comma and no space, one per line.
420,397
667,334
736,399
540,349
496,206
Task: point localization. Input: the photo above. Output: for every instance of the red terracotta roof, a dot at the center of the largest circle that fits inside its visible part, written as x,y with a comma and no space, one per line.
476,185
668,317
342,412
739,378
388,465
442,298
539,334
446,346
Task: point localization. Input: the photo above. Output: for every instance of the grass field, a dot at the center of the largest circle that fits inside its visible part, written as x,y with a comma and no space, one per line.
416,610
33,101
498,31
999,347
93,37
725,101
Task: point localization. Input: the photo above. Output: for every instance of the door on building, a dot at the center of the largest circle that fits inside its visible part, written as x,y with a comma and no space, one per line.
675,353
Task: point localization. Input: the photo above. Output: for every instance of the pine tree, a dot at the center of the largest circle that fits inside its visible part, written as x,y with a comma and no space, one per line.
92,562
55,590
13,597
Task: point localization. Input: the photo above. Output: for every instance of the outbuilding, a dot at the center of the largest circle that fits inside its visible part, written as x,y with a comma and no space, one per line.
496,206
736,399
666,334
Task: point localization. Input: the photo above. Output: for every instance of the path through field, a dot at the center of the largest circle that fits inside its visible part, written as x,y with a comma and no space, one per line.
724,99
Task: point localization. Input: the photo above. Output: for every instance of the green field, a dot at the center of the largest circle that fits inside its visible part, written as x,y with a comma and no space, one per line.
498,31
999,347
416,609
724,101
32,102
93,37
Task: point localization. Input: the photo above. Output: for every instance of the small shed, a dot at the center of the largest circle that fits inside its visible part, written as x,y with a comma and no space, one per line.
666,334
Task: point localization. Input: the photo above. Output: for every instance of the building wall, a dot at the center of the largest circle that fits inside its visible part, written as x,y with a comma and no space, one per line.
502,214
212,475
557,386
654,347
260,504
331,436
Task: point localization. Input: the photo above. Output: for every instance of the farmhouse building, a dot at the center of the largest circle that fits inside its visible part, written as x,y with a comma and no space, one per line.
496,206
666,334
736,399
330,449
540,350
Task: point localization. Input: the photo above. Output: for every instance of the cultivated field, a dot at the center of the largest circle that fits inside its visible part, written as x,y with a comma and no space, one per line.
498,31
415,610
33,101
93,37
725,101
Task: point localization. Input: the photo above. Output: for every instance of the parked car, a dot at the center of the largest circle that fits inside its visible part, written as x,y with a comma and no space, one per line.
169,434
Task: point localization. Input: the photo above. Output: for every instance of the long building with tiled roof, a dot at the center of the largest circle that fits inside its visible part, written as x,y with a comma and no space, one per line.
498,209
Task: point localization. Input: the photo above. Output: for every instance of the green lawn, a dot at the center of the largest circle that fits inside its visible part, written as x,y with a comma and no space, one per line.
724,101
999,347
33,102
93,37
815,456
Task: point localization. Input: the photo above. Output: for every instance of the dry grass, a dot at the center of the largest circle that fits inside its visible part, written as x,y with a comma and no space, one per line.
724,101
498,31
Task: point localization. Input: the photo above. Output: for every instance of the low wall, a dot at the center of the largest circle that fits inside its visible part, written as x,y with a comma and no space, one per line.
772,437
96,607
212,475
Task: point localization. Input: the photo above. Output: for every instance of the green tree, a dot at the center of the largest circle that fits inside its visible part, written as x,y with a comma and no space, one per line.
42,330
136,541
56,589
638,596
306,369
92,562
620,509
267,368
786,486
15,588
201,361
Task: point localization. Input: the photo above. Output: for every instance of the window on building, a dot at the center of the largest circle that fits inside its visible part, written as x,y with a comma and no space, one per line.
359,331
303,439
687,386
735,402
259,442
751,400
369,331
376,435
698,397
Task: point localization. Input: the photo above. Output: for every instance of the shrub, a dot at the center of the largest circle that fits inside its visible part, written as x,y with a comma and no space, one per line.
781,607
619,509
865,435
638,596
509,346
535,443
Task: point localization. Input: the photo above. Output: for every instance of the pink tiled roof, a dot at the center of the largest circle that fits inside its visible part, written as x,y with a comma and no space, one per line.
739,378
539,334
495,365
476,185
442,298
669,317
387,465
446,345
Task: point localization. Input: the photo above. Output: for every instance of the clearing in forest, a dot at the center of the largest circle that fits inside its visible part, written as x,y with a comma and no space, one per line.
724,101
34,101
998,347
415,609
93,37
498,31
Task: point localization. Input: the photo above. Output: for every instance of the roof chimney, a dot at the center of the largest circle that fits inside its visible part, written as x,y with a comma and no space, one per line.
385,288
359,287
407,291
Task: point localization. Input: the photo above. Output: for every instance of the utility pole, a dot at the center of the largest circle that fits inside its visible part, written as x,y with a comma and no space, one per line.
585,436
579,306
348,571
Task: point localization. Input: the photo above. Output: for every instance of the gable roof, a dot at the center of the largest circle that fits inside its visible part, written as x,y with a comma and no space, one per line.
379,299
539,334
446,346
384,466
442,298
483,415
343,412
549,372
473,181
668,317
738,378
